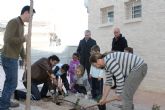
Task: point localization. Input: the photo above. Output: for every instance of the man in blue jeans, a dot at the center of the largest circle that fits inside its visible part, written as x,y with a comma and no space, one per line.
13,47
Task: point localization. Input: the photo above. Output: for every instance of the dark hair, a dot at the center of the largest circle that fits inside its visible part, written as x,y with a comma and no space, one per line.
76,54
26,8
65,67
129,49
54,57
94,57
95,48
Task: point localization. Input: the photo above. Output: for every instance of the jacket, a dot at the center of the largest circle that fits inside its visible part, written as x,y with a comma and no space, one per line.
39,71
14,39
119,44
84,49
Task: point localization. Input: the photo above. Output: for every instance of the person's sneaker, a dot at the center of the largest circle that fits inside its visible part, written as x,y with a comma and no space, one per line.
14,104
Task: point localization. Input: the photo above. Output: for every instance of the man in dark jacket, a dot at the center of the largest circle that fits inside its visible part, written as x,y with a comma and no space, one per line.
41,73
84,49
119,42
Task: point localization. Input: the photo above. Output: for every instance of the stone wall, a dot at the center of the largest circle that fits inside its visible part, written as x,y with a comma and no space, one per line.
145,35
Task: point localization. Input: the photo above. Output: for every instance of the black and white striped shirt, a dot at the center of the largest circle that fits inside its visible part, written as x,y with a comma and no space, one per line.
120,64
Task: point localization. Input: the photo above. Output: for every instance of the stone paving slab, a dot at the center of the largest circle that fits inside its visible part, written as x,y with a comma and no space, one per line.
83,102
143,100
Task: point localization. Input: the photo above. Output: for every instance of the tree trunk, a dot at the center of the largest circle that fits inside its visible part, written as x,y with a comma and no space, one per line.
28,58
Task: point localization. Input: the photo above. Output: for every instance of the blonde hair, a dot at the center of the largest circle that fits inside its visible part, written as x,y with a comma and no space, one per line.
81,68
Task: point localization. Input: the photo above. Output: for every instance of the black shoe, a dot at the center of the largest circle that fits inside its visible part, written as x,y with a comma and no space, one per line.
16,95
58,103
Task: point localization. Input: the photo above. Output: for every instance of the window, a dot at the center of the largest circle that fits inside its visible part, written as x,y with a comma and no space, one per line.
107,15
136,11
133,9
111,17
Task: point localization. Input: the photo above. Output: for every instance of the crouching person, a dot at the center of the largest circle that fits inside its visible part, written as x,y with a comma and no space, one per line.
41,73
78,83
129,71
61,76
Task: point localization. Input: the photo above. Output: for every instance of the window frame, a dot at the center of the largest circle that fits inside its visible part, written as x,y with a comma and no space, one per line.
110,16
136,11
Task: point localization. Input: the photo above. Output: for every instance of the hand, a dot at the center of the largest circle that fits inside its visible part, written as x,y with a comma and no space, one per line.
54,81
53,76
102,101
118,97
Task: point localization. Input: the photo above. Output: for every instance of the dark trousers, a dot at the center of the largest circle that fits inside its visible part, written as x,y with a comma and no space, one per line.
88,74
97,88
97,91
66,83
80,89
35,93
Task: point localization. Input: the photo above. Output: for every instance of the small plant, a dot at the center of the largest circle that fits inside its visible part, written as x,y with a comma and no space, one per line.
155,107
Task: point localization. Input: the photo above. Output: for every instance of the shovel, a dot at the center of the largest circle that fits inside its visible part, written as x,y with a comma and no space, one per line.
85,108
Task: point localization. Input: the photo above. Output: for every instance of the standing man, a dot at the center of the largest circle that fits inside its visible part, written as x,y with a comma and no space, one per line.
84,49
13,47
119,42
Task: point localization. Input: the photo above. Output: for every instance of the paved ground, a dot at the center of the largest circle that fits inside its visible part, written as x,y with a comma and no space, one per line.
143,100
146,99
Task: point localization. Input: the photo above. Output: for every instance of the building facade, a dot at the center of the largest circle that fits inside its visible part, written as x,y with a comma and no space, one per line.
142,22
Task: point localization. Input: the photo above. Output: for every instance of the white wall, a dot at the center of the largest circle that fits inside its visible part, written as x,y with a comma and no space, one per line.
146,37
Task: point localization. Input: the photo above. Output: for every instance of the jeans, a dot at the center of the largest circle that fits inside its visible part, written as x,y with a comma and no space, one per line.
10,67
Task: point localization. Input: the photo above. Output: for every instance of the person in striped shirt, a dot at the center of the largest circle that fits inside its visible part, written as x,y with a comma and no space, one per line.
97,76
129,70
